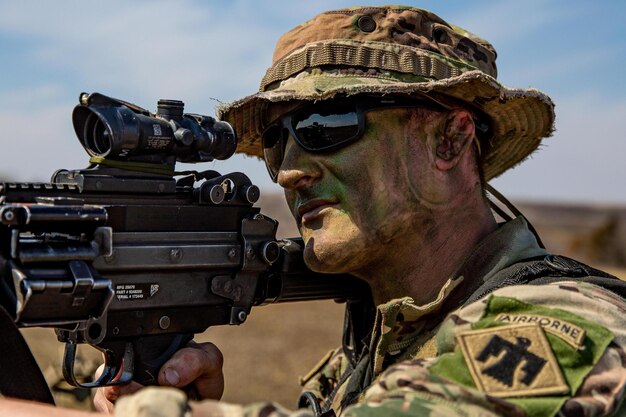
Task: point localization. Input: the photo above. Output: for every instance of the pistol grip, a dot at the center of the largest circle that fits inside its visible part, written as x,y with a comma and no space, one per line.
152,352
125,361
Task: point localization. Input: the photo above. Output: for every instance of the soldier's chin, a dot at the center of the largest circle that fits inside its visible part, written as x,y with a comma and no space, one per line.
323,258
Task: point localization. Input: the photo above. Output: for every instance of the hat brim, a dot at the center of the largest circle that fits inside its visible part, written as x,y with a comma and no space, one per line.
520,118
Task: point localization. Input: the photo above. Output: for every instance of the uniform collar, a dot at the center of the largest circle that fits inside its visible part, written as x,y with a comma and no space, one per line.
400,323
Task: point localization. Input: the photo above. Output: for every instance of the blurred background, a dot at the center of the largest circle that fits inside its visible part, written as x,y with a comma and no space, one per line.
204,53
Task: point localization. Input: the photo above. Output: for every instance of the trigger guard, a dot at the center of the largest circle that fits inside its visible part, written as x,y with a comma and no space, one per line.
118,374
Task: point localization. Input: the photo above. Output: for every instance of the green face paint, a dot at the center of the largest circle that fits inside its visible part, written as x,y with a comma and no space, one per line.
360,201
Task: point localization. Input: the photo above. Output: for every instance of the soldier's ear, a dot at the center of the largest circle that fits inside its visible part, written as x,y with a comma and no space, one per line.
455,140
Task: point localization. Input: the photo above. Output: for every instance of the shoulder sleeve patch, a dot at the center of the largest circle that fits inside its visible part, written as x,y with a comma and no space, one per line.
535,356
512,361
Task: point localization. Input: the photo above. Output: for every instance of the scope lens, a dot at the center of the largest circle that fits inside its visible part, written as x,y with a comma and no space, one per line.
97,136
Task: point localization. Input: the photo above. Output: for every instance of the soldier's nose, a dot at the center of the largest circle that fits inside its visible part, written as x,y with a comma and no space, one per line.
298,168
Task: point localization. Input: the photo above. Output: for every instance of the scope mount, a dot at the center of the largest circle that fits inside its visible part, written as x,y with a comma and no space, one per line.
106,179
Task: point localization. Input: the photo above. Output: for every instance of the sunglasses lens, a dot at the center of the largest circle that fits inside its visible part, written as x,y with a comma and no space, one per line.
321,127
273,146
326,126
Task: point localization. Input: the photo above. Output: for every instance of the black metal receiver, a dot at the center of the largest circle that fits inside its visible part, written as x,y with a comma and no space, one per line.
126,258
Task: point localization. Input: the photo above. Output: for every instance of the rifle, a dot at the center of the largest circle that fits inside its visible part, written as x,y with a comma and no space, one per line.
134,258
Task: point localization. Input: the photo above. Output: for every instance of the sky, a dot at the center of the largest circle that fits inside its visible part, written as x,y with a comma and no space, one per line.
205,52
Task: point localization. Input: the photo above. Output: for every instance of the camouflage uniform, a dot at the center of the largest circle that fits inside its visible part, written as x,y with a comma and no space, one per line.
520,350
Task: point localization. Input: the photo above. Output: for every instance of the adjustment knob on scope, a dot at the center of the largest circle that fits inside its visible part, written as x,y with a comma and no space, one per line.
170,109
184,136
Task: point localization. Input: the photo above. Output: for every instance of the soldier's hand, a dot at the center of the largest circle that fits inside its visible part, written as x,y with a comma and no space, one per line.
196,369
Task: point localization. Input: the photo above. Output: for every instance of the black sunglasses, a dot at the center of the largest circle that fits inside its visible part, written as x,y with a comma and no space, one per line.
329,125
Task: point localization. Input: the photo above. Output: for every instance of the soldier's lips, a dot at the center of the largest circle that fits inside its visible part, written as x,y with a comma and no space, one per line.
313,209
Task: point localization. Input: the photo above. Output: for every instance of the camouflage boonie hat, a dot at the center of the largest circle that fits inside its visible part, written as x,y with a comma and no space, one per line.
395,50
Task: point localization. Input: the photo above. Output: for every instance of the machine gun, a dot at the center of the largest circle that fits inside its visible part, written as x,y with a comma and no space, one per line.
132,258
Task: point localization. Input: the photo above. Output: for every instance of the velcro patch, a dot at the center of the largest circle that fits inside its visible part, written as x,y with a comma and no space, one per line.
512,361
569,332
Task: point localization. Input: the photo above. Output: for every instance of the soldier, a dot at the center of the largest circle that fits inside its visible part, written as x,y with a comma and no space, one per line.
384,125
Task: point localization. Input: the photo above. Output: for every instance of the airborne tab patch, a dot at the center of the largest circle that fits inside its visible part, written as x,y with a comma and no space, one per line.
512,361
565,330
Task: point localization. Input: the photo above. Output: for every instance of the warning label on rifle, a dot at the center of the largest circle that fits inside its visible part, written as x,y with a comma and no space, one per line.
135,291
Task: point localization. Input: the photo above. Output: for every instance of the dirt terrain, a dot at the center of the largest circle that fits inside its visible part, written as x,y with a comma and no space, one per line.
278,343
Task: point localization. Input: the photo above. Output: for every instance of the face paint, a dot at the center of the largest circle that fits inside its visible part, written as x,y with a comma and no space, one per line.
364,201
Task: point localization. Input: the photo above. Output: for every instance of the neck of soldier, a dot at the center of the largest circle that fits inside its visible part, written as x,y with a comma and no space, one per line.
419,263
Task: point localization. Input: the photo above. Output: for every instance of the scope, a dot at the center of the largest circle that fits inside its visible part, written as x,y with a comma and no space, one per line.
116,130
